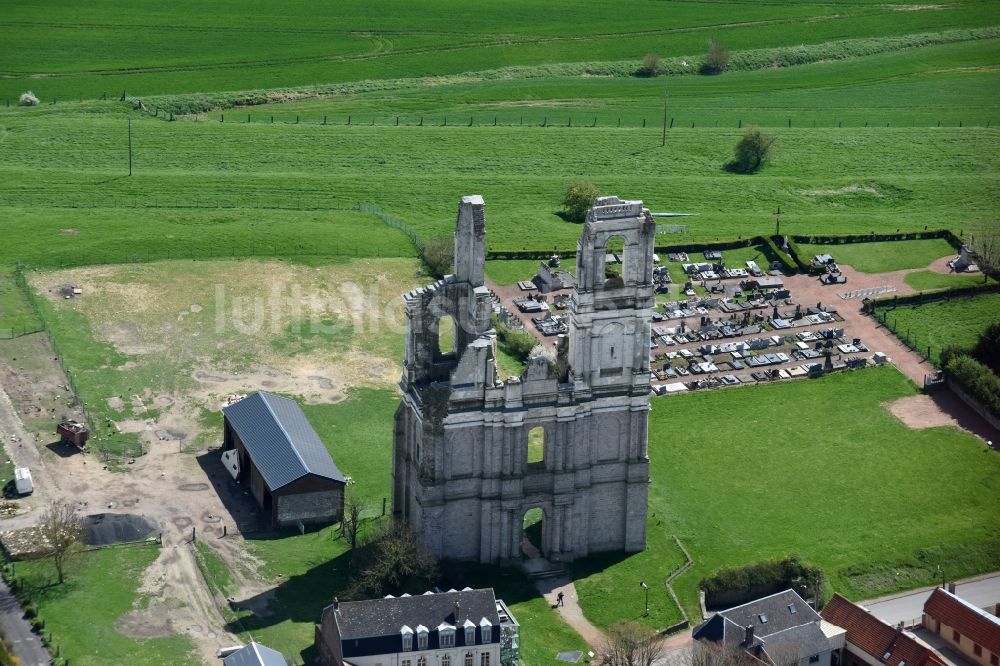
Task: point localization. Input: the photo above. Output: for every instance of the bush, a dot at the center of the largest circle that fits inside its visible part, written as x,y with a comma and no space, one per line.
787,572
652,64
439,256
750,151
30,612
517,343
977,380
716,60
29,99
578,200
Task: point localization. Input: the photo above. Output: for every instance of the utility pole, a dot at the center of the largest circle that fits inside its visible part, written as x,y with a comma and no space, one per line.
663,140
130,146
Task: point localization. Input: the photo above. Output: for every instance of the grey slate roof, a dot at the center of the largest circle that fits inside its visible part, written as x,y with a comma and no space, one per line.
279,439
775,607
255,654
385,617
796,643
784,636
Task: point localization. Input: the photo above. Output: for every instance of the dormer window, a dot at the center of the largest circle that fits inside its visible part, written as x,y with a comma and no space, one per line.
470,632
446,635
486,629
406,634
421,637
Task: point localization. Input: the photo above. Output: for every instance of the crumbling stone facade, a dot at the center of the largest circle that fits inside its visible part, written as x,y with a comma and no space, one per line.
461,472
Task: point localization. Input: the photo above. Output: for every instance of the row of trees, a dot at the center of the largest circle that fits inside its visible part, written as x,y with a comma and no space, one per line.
716,61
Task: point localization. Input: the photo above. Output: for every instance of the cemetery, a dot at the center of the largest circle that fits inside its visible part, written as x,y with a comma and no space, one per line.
727,325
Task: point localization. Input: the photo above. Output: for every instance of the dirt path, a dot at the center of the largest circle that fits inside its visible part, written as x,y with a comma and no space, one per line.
169,488
570,611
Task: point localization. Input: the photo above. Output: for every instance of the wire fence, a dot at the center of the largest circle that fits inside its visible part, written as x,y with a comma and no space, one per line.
109,448
636,119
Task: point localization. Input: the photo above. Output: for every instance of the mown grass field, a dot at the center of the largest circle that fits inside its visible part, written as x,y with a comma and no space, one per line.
954,322
68,173
843,484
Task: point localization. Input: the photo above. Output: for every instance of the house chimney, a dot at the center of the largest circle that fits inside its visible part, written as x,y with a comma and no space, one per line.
996,609
749,638
951,588
336,603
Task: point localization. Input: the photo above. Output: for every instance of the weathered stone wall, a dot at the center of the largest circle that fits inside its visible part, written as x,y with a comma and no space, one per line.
315,507
461,473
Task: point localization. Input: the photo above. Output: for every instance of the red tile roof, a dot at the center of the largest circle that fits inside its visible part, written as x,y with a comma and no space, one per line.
874,637
965,618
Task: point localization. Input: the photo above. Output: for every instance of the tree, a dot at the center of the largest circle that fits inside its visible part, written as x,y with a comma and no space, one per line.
393,563
578,200
439,255
61,530
631,644
651,65
716,60
986,248
750,151
350,524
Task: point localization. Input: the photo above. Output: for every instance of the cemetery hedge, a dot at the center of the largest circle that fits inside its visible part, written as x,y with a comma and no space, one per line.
784,572
977,379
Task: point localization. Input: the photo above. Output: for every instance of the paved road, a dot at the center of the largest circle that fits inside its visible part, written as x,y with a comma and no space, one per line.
24,644
982,591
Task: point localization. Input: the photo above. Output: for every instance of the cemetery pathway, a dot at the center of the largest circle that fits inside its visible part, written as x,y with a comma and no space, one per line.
570,611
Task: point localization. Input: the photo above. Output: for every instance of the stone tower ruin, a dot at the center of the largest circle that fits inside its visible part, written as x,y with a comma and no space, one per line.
462,477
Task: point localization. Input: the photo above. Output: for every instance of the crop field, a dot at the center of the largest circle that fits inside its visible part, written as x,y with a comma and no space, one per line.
68,50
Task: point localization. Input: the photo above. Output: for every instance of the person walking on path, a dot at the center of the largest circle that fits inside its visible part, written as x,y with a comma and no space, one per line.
559,600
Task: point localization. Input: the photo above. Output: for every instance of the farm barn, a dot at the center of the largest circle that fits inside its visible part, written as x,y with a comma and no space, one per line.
269,444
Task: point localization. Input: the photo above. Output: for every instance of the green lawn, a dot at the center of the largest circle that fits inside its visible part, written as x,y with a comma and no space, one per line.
608,585
843,484
955,322
882,257
81,613
927,280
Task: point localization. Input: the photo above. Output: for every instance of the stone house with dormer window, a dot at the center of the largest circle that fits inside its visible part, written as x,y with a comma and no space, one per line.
453,628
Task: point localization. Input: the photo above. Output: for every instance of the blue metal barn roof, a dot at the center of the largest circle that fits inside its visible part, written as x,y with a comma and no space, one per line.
279,439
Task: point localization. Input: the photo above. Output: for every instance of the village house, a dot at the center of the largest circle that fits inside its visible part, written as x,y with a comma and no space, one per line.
269,444
779,629
968,629
453,628
872,642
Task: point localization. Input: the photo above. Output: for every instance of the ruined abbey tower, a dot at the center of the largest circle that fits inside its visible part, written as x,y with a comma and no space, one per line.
462,475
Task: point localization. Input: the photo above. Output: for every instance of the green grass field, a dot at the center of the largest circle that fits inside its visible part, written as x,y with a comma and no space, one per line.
218,179
955,322
843,484
81,613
